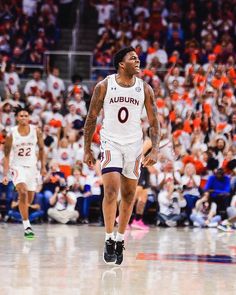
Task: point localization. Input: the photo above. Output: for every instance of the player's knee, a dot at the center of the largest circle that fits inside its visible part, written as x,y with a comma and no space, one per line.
111,194
141,203
128,197
23,194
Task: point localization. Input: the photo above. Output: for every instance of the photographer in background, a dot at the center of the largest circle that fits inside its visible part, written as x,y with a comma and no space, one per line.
63,202
171,201
52,179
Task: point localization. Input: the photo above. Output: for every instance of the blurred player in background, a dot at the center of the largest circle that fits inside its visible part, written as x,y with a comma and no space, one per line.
20,159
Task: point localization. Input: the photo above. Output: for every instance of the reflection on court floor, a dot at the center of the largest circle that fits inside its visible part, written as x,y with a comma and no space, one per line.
188,257
67,260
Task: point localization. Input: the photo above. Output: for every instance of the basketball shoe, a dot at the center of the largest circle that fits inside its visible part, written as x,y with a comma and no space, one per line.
225,226
29,234
119,252
138,224
109,255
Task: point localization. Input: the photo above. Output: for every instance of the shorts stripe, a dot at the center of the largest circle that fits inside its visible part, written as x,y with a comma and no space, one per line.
164,145
111,169
108,159
136,167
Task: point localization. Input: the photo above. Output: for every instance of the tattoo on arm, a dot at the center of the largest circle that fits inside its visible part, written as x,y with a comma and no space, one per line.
7,146
155,130
94,110
41,147
7,151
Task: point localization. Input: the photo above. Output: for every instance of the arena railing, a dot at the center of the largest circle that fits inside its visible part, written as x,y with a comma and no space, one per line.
71,62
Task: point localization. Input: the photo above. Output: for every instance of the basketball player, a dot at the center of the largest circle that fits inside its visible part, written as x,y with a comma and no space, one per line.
21,144
141,195
122,97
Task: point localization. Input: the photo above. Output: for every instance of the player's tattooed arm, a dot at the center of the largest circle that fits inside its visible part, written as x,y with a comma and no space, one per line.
155,130
41,151
95,107
7,151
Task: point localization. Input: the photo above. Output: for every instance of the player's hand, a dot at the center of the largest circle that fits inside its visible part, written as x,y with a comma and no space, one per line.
5,180
150,159
89,158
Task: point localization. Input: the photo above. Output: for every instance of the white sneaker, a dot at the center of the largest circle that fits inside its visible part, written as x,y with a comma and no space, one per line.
225,227
213,224
171,223
196,224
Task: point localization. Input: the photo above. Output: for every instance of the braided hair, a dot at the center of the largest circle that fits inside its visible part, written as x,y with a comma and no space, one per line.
19,109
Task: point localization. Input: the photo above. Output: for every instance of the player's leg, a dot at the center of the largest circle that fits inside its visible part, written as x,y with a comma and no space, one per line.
111,183
111,167
22,190
129,181
141,196
31,197
128,188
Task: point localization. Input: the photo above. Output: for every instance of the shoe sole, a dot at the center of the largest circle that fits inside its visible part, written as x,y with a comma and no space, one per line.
118,264
225,230
140,228
110,263
30,237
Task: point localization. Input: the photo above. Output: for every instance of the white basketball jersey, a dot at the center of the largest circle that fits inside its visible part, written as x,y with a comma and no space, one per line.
24,148
122,112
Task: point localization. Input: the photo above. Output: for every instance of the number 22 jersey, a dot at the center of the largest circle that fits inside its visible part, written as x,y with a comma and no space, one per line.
122,112
24,148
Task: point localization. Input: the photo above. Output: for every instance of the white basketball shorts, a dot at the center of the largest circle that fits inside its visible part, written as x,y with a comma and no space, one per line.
125,159
27,175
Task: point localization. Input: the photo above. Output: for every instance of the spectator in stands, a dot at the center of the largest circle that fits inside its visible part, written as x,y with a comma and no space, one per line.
218,186
155,51
63,201
171,201
8,118
34,84
29,7
204,213
139,40
55,85
92,192
53,179
64,156
35,212
168,174
104,9
10,77
191,185
72,117
50,142
76,181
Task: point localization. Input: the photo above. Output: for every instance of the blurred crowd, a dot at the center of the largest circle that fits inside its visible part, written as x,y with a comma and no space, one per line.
27,29
187,54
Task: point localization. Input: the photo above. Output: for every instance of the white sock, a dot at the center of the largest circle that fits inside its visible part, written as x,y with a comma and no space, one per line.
26,223
108,236
120,237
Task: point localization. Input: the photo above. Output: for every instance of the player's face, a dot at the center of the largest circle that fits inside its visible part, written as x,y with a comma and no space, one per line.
23,118
131,63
